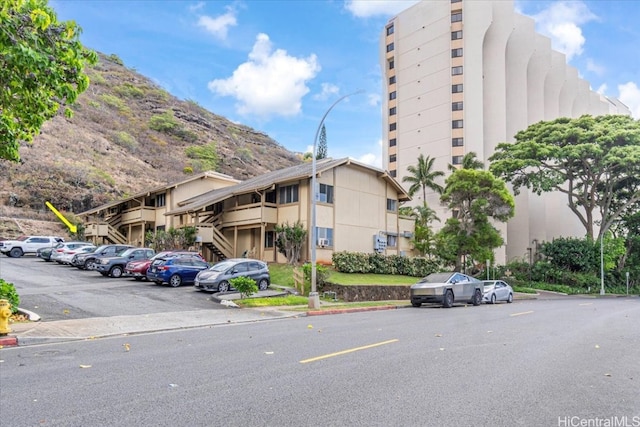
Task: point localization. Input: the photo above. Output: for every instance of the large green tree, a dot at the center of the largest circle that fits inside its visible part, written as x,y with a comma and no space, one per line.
475,197
322,144
424,237
423,177
593,160
469,161
41,69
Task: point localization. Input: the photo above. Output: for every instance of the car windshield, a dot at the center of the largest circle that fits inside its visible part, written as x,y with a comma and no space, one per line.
222,266
488,283
126,252
436,278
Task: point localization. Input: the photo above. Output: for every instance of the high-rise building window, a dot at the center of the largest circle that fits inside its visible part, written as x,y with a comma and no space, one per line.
456,16
456,160
390,30
392,111
392,158
390,47
456,35
457,142
456,1
393,173
456,88
392,80
392,96
457,124
392,142
392,64
392,126
456,53
456,106
456,71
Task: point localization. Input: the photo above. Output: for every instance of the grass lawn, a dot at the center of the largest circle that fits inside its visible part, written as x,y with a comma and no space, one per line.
282,274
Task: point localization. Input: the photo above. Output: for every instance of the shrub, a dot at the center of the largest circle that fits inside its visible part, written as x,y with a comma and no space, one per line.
205,157
322,273
114,102
165,122
125,140
8,292
357,262
129,91
115,58
245,285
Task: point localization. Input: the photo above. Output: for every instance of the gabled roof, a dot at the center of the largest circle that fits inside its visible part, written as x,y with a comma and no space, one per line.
202,175
270,179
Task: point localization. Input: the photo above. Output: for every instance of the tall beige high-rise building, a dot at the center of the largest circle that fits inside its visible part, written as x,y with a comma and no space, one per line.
463,76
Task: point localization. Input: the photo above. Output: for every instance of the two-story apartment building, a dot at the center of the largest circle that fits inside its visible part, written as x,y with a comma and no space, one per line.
356,210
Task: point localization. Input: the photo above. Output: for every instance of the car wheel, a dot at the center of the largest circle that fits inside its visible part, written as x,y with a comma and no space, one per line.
477,297
223,286
15,253
138,278
448,299
415,304
88,264
175,280
493,298
116,271
263,284
157,282
510,299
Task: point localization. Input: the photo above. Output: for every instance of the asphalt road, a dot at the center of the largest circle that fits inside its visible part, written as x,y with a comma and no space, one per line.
57,292
564,362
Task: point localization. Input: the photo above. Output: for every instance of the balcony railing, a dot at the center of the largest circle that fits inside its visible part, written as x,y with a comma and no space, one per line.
136,215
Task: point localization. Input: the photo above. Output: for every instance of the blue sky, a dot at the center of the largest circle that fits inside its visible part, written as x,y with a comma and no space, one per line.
277,66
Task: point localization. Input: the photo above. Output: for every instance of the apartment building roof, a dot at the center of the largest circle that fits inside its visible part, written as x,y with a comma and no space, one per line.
270,179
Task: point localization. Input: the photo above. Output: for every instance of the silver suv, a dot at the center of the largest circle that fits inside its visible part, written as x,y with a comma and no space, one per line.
28,245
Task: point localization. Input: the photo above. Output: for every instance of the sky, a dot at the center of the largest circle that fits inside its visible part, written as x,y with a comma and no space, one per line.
279,66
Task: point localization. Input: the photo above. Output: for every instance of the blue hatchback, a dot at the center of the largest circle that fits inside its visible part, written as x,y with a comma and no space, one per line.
175,270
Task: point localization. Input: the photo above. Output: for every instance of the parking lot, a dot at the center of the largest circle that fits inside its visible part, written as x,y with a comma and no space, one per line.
57,292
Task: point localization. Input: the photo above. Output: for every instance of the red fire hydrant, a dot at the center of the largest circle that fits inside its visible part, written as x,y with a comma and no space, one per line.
5,314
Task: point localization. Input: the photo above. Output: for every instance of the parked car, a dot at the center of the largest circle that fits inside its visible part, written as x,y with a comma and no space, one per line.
175,270
217,278
67,256
61,247
447,289
497,290
88,261
44,253
138,269
27,244
113,266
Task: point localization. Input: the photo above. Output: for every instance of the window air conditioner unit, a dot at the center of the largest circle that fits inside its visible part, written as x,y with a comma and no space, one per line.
323,242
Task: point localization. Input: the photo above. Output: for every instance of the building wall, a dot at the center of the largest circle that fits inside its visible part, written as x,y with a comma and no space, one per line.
511,79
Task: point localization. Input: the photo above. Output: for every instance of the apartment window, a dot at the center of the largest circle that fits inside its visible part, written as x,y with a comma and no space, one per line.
270,239
392,111
393,173
456,1
392,126
456,124
392,64
325,193
160,200
456,35
456,16
289,194
392,205
325,236
270,197
392,80
456,53
456,71
390,47
456,88
392,158
392,96
456,106
457,142
456,160
392,241
392,142
390,30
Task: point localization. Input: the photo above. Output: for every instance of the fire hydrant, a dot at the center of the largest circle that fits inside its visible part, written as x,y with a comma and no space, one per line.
5,314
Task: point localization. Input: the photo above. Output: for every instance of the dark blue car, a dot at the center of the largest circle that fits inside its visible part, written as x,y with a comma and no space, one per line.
175,270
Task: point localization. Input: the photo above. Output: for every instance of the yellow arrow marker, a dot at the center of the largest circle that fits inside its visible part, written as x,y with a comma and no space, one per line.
72,227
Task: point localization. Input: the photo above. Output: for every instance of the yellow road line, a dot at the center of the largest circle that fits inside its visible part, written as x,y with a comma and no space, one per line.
520,314
351,350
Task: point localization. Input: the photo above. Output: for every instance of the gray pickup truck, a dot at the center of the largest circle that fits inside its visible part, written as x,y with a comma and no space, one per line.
447,289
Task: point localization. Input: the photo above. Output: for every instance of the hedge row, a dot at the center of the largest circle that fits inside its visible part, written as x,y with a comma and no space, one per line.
357,262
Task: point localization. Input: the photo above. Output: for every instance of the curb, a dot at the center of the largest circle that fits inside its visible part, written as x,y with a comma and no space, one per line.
351,310
8,342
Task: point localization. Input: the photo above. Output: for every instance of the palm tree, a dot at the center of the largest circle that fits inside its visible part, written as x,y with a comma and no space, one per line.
421,176
469,161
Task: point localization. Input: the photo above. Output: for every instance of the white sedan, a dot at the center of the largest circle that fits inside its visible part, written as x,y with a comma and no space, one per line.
497,290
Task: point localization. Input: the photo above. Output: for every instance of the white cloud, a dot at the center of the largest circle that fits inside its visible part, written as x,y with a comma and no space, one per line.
595,68
270,83
630,96
219,25
602,90
328,90
561,22
196,6
374,99
373,159
369,8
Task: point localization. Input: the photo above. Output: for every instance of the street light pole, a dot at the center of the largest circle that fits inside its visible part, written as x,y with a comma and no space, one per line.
601,265
314,298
